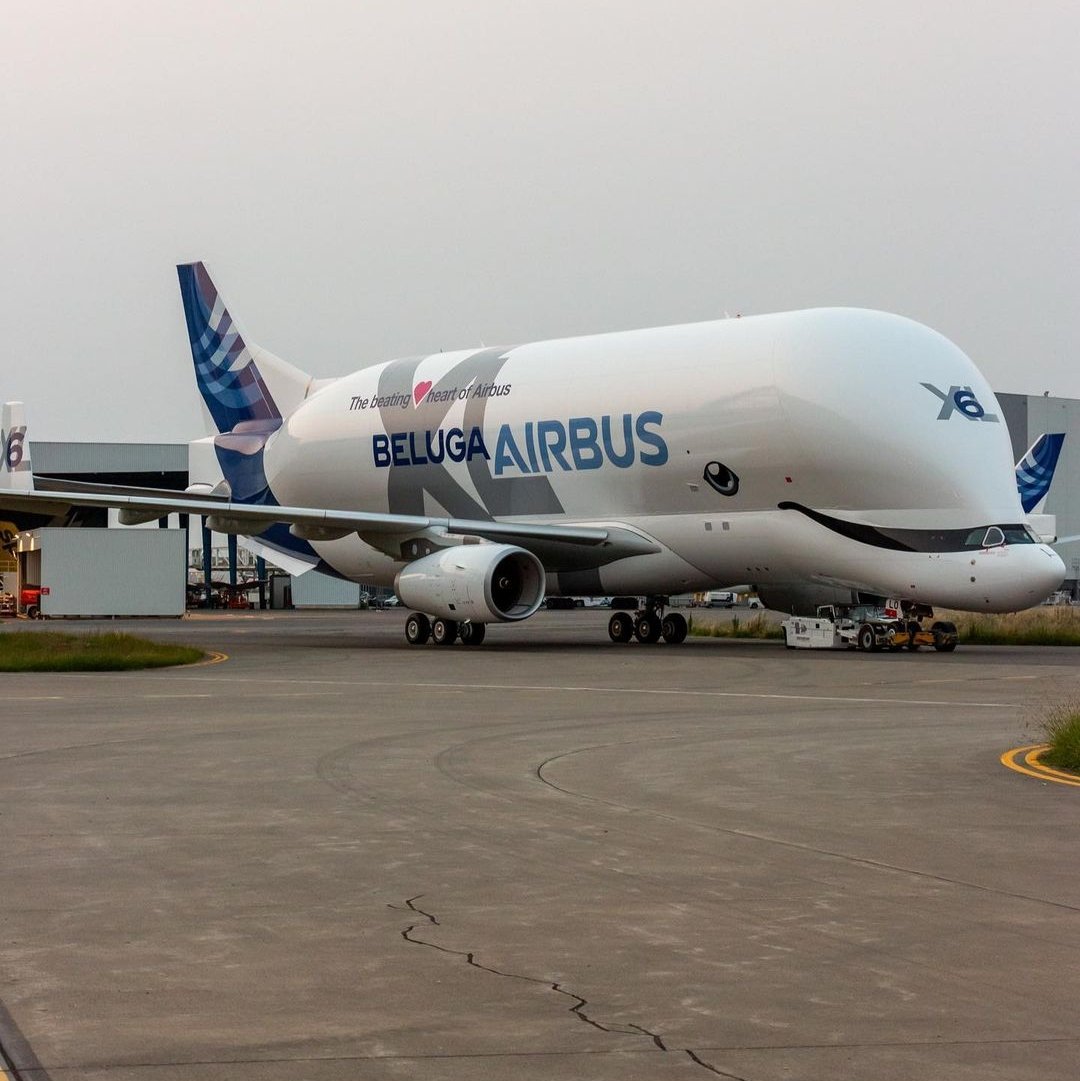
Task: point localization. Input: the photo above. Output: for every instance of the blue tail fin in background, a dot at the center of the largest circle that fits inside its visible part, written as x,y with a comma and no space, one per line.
225,369
1035,470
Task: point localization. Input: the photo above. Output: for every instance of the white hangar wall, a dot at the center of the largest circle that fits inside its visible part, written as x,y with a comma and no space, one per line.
108,572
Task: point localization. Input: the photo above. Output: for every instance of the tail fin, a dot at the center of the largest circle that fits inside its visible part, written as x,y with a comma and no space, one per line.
15,472
1035,470
235,378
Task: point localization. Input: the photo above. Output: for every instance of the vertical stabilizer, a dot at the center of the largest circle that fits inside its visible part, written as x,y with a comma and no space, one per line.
15,472
1035,471
238,381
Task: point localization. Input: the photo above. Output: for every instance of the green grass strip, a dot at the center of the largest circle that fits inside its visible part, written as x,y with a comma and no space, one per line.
48,651
1062,731
1043,626
755,627
978,632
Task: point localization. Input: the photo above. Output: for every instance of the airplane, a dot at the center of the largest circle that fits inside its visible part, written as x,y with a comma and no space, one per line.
806,451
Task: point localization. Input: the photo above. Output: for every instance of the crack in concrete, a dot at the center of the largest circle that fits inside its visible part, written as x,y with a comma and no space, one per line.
711,1068
578,1009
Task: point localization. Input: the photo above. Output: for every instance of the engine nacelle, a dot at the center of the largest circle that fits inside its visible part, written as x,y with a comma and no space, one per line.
488,583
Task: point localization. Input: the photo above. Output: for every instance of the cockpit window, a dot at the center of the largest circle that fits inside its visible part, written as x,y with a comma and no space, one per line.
992,538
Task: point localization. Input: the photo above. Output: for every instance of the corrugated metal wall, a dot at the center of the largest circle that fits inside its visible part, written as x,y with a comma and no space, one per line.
108,457
315,590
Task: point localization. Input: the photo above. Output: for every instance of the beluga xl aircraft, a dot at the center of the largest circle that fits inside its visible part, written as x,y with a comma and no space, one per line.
824,455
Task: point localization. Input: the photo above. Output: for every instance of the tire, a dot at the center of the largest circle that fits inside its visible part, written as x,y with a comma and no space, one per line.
444,632
674,628
472,634
867,640
33,612
945,636
647,629
417,629
620,627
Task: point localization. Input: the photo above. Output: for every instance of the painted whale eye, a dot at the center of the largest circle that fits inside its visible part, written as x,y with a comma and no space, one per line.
720,478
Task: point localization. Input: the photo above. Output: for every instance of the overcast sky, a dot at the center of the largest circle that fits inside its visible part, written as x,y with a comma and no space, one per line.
370,180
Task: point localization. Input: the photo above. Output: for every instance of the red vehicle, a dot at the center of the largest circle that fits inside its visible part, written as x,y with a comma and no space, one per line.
30,601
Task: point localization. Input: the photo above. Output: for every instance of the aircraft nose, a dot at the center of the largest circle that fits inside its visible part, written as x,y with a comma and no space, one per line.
1042,573
1053,571
1026,578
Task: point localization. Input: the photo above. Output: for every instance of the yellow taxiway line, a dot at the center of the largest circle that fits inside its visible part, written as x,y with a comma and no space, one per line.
1026,760
213,656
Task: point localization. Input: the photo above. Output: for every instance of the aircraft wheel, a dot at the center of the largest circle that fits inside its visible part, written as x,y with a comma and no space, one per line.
417,629
620,627
674,628
647,629
867,641
472,634
444,632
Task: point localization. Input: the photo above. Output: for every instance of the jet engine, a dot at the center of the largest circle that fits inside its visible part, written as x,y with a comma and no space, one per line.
487,583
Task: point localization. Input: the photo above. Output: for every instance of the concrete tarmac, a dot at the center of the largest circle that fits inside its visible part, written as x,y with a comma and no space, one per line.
334,856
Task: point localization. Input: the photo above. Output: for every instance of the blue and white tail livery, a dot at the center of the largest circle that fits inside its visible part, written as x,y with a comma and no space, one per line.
240,383
1035,471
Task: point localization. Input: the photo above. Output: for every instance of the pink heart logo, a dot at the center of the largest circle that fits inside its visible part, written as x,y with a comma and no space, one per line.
420,390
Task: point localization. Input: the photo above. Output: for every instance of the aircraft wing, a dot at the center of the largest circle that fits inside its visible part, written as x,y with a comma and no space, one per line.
402,536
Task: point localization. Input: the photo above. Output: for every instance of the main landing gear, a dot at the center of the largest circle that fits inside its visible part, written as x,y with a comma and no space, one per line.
649,624
443,632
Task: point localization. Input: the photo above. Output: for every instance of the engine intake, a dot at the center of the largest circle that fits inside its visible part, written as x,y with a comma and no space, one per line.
489,583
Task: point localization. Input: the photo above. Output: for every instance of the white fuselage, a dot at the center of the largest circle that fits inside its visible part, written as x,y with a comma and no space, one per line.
848,413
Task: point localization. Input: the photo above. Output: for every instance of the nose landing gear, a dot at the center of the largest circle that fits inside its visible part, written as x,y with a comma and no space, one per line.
649,624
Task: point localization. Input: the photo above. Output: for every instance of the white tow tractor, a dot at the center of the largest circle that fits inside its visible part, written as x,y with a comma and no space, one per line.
893,625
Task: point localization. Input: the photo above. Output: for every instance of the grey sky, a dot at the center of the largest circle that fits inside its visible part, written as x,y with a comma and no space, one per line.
367,180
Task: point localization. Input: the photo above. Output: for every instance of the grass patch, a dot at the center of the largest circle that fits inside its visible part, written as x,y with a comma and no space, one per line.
754,627
1044,626
47,651
1062,731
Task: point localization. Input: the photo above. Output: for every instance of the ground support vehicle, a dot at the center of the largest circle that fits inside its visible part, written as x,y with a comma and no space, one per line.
30,601
869,627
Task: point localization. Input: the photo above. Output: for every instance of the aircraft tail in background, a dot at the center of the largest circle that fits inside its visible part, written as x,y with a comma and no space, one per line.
1035,471
239,382
16,474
